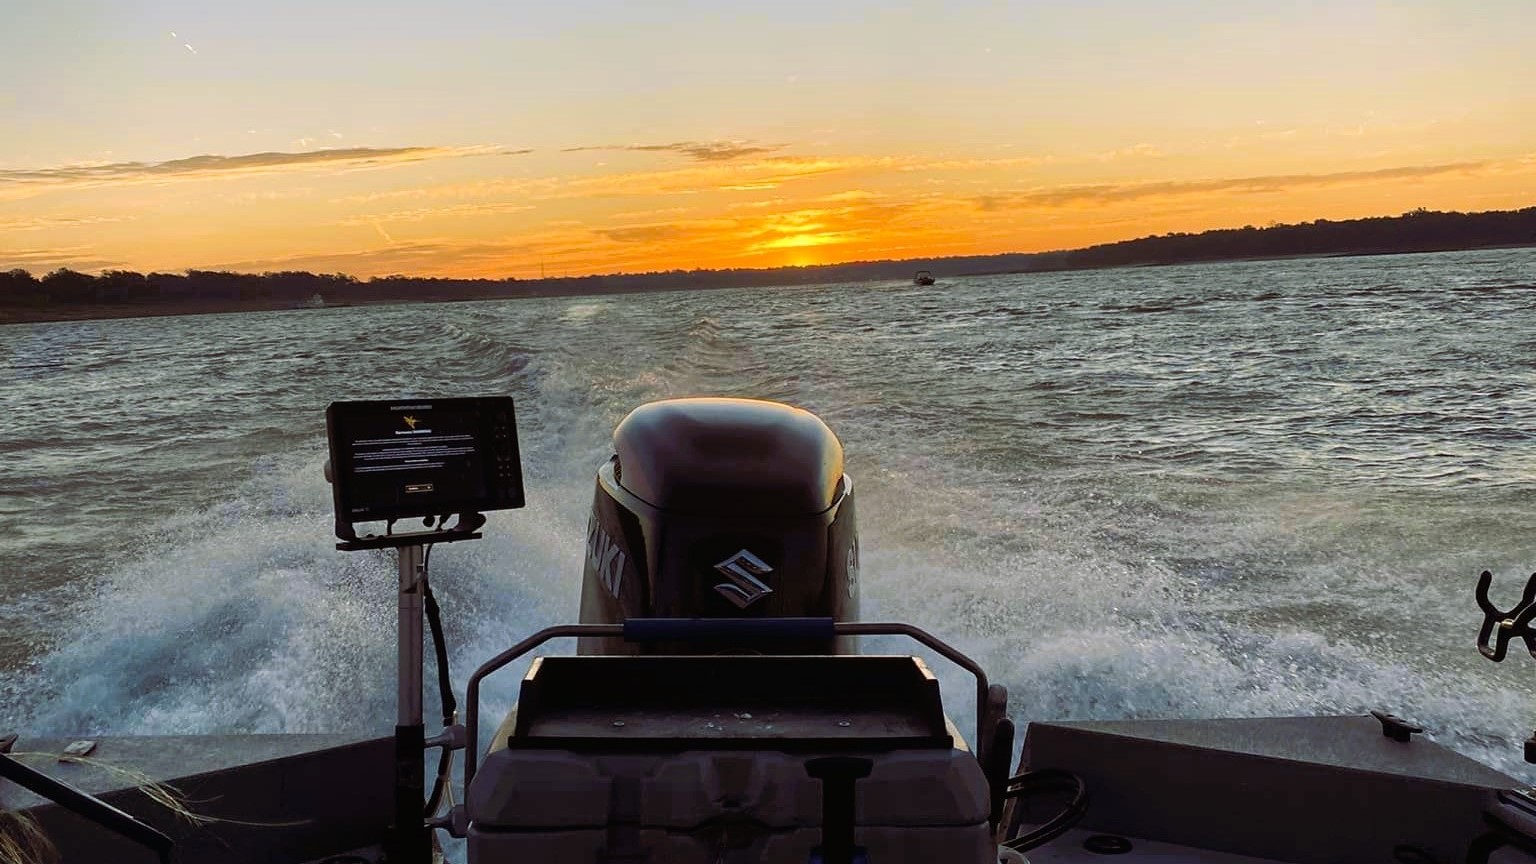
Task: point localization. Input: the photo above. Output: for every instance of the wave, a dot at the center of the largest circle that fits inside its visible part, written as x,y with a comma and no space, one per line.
1290,487
1150,307
465,342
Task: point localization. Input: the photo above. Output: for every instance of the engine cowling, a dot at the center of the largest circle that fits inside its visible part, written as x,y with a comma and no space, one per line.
720,508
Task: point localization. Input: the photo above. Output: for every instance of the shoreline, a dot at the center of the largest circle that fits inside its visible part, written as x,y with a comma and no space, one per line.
584,287
1300,256
110,312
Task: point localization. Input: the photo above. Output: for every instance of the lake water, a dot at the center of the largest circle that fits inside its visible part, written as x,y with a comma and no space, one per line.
1248,489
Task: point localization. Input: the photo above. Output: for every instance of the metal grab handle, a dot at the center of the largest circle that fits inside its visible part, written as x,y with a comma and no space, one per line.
948,652
472,692
89,806
667,629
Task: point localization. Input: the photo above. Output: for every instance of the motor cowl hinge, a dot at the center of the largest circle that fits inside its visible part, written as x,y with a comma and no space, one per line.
453,737
455,822
1398,729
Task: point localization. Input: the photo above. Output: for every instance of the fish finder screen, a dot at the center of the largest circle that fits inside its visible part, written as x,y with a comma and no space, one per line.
414,451
423,458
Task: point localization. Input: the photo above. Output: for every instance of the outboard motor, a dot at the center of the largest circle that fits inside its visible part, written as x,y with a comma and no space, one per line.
720,508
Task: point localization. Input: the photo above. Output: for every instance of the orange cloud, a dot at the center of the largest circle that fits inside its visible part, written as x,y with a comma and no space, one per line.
1116,192
38,223
73,257
928,165
797,241
715,151
25,182
421,214
438,257
655,233
736,176
488,188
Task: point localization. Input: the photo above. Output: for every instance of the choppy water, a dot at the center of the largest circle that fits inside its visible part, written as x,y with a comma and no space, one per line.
1249,489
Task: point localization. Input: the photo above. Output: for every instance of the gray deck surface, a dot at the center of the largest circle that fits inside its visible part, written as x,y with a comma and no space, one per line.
1342,742
163,758
276,799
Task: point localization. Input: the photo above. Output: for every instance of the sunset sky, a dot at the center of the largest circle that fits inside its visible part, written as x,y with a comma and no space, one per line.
495,137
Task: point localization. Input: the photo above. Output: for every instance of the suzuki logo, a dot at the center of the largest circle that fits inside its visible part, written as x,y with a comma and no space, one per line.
745,588
605,558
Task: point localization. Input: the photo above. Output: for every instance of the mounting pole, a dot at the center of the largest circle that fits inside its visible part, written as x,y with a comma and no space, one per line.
418,458
412,842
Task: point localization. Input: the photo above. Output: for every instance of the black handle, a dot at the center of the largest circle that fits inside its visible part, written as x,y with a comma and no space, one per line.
1508,624
839,805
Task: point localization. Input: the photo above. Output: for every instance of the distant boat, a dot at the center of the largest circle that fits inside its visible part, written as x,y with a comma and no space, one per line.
923,277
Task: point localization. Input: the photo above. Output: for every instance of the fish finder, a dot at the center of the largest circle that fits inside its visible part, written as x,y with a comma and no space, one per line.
401,458
395,459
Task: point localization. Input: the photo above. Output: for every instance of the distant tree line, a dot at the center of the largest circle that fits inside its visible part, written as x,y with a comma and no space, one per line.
67,293
1419,230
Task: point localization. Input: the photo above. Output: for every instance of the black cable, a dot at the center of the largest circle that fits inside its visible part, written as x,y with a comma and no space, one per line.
439,647
444,685
1034,783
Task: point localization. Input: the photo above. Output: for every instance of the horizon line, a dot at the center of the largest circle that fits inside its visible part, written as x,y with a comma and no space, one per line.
797,267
